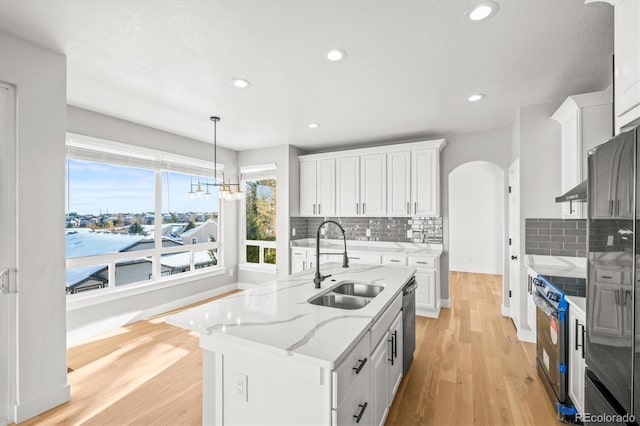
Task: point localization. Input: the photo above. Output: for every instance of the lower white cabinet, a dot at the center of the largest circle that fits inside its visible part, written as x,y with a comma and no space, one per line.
386,361
577,335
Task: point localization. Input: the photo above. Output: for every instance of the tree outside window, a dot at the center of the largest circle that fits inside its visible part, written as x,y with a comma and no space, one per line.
260,207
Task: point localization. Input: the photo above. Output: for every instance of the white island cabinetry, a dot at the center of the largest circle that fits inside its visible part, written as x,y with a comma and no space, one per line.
272,358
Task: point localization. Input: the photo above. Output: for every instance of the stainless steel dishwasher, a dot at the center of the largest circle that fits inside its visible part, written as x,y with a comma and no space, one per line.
408,323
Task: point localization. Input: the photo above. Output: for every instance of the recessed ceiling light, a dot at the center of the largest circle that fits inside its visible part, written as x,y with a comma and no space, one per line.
313,125
241,83
476,97
482,10
336,54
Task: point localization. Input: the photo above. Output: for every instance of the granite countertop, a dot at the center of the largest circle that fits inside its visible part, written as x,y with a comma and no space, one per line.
577,302
278,318
408,249
558,266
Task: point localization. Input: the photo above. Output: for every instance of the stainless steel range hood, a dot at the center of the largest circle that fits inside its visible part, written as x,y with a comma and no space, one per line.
577,193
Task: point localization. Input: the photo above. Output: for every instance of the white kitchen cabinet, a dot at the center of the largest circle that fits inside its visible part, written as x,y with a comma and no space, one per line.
428,285
627,61
425,182
425,293
585,122
348,186
373,184
394,180
577,335
531,306
318,188
386,360
399,183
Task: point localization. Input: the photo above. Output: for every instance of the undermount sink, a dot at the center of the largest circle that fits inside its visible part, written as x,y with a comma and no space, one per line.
347,295
358,289
341,301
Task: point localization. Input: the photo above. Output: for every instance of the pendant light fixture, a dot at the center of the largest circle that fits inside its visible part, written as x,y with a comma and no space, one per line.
225,192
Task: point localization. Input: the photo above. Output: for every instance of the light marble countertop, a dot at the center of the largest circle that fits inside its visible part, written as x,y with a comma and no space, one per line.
377,247
574,267
577,302
278,318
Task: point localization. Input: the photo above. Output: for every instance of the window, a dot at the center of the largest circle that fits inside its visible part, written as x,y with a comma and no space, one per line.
118,233
259,215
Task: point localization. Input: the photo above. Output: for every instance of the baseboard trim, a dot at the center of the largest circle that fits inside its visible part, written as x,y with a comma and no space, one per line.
76,336
505,311
247,286
445,303
41,404
527,336
429,313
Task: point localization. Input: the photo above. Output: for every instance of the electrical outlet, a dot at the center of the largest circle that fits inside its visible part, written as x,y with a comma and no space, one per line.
293,232
368,232
240,382
610,240
230,272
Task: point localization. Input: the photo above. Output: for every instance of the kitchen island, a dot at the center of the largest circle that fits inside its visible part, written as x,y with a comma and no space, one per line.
271,357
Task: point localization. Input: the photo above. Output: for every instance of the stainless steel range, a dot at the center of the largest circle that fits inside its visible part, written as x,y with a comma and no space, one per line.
552,335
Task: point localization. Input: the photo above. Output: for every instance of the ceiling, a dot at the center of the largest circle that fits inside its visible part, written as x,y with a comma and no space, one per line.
410,67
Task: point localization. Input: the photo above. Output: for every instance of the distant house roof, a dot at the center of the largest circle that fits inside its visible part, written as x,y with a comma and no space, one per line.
187,234
83,244
181,260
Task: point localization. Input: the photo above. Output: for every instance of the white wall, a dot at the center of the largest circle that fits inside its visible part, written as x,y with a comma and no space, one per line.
491,146
39,75
476,218
119,312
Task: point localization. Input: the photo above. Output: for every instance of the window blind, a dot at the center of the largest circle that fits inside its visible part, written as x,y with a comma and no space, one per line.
260,172
97,150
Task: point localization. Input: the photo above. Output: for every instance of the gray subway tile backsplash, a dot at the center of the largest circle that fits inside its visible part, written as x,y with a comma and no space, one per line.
392,229
556,237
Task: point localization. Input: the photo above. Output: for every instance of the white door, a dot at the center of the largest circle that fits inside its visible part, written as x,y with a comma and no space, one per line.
7,244
307,188
399,183
326,187
424,182
512,293
348,186
373,184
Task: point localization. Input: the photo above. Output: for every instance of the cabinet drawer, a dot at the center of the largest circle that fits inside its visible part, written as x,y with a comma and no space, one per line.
299,253
354,367
394,260
422,262
365,259
379,329
356,408
608,276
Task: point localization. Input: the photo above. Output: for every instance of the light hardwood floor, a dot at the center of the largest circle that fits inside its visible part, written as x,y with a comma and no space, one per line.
469,369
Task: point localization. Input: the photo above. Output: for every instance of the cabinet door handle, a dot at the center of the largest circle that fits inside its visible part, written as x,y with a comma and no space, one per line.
617,207
617,297
611,207
391,358
607,277
408,207
359,415
357,208
394,260
584,335
415,208
319,208
314,209
395,344
576,345
353,257
421,263
363,208
360,366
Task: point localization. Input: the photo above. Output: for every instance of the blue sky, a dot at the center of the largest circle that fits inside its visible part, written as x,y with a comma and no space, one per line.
99,187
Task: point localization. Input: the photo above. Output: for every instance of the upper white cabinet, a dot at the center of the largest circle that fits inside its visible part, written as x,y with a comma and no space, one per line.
585,122
627,61
318,187
425,182
373,184
399,183
394,180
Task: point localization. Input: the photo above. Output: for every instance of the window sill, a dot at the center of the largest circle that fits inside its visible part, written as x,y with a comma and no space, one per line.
79,301
254,267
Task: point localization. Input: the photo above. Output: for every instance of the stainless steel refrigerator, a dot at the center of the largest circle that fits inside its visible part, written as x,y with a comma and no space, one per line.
612,382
